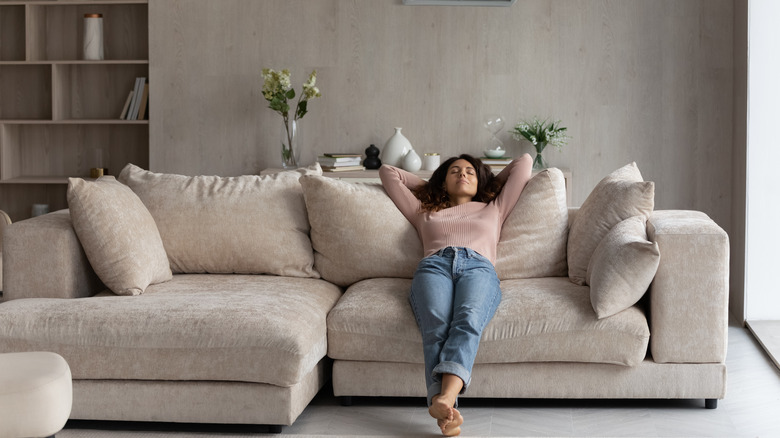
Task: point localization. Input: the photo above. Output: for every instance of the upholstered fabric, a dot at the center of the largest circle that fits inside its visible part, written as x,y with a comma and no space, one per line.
250,328
118,234
246,224
357,232
5,220
620,195
345,216
622,267
541,380
538,320
44,259
533,238
35,394
690,292
196,401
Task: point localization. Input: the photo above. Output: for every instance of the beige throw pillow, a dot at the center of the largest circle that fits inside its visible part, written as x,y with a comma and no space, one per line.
357,232
620,195
245,224
118,234
533,237
622,267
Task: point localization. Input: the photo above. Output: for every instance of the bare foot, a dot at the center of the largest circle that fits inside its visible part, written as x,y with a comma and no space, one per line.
453,427
441,410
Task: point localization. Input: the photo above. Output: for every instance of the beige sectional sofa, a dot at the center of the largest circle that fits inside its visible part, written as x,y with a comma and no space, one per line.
275,284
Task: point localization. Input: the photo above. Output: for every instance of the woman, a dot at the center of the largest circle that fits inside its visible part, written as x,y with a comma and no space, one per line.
458,215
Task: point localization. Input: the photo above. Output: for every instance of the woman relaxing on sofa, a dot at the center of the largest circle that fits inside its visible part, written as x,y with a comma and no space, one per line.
458,215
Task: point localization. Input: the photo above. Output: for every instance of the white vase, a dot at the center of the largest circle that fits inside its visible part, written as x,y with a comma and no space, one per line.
93,37
412,162
396,147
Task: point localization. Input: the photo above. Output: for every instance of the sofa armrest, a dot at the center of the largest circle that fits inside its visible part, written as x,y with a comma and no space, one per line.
43,258
689,294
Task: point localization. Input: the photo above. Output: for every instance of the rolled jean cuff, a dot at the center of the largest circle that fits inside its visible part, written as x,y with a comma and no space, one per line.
435,389
453,368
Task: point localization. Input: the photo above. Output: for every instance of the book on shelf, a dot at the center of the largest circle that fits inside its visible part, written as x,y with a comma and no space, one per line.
144,101
135,103
497,161
342,155
123,114
342,168
338,161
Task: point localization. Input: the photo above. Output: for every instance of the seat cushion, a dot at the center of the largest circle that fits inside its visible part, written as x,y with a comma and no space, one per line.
248,328
538,320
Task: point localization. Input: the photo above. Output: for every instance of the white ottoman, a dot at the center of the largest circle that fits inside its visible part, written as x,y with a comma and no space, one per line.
36,394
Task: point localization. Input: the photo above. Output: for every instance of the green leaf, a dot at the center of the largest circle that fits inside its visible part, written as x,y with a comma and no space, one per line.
302,105
290,93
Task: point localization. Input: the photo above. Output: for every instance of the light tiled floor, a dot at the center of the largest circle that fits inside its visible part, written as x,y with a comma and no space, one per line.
751,408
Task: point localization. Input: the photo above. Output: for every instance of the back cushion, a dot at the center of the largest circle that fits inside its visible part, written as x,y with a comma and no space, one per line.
246,224
533,238
358,233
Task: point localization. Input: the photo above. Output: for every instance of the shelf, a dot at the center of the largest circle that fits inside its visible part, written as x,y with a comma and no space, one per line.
56,30
30,151
36,180
73,122
59,114
77,61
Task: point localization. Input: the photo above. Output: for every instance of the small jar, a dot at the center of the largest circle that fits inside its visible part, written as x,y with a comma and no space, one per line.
431,161
93,37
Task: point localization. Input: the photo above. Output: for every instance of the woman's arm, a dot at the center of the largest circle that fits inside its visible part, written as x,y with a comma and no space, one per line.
514,177
399,184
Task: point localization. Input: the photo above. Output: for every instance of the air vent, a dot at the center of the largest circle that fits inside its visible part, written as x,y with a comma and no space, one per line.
459,2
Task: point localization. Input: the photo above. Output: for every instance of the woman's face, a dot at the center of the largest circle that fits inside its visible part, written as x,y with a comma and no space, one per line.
461,181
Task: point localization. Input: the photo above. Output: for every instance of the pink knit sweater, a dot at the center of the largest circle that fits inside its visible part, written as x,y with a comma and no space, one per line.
474,225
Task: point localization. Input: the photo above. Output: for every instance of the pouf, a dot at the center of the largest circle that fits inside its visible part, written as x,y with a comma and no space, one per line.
36,394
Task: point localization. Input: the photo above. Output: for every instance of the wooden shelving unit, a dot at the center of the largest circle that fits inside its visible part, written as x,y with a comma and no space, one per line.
59,114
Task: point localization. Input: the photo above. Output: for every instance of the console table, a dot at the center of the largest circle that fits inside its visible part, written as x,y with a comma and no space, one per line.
372,176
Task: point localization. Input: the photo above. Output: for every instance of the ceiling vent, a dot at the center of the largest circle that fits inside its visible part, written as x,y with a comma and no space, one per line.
460,2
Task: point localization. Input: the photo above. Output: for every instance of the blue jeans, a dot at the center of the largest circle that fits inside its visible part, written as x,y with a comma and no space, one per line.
455,293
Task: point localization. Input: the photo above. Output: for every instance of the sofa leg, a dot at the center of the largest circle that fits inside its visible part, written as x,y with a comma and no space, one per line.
346,400
274,428
711,403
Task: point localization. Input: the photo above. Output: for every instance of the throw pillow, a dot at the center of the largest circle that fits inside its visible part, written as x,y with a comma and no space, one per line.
245,224
357,232
119,236
533,237
620,195
622,267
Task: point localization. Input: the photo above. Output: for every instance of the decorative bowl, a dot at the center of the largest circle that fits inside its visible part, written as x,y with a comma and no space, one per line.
494,153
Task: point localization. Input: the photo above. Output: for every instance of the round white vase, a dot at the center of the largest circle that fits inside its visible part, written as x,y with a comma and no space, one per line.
396,148
412,162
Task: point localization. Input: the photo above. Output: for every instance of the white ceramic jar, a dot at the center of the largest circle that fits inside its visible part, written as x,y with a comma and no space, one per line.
396,148
412,162
93,37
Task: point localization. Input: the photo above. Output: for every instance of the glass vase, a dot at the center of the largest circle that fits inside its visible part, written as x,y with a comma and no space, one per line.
539,162
291,150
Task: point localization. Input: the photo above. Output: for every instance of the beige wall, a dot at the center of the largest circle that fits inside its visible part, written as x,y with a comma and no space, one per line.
650,81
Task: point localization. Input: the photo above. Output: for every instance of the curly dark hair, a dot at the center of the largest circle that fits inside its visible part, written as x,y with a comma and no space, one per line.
433,194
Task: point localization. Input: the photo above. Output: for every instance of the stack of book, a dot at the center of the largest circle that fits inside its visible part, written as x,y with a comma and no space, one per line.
496,163
340,162
136,102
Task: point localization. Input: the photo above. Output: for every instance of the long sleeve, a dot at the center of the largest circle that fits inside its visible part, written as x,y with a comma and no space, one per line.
399,184
514,176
